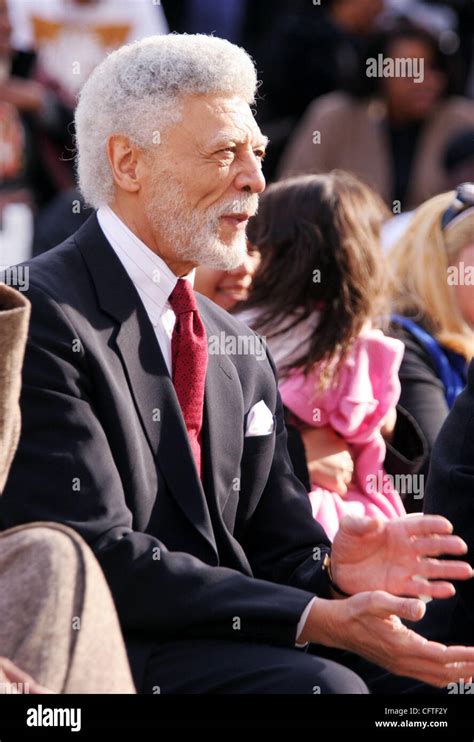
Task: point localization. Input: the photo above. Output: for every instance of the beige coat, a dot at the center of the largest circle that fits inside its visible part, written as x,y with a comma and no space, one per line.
351,137
14,317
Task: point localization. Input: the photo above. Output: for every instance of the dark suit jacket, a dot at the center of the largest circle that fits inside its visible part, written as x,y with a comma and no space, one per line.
104,449
450,492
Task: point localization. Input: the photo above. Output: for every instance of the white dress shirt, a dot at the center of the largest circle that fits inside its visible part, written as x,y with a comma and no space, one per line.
154,282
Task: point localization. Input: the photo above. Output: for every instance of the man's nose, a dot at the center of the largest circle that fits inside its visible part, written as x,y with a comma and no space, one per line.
250,178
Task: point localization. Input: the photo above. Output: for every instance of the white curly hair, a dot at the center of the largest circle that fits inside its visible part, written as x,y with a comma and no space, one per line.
137,91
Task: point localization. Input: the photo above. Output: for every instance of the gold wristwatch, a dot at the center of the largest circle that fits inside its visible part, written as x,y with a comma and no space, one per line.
327,568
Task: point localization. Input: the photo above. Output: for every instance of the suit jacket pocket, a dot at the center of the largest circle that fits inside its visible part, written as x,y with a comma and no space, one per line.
257,461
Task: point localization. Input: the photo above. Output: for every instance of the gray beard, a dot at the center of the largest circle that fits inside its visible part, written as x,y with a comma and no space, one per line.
193,235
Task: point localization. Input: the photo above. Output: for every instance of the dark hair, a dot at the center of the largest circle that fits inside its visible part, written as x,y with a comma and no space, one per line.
459,149
328,223
362,86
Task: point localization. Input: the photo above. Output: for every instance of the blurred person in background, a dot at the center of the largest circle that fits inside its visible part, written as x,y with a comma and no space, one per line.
30,115
432,295
458,167
323,335
391,131
458,159
228,288
307,51
32,136
455,21
47,51
241,21
311,50
71,37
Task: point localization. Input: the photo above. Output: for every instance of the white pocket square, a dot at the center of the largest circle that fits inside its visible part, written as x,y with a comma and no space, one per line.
259,420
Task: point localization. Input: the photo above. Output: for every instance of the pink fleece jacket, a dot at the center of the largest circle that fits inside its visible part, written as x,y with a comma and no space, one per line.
368,387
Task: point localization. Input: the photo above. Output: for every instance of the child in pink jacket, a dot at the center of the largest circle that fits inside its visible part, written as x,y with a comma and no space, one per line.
367,390
316,299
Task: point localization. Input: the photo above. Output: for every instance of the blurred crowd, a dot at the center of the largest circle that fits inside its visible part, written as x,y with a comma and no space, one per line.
408,138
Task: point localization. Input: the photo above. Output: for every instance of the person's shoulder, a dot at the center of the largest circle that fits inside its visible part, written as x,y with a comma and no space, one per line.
332,104
456,107
417,361
222,318
54,271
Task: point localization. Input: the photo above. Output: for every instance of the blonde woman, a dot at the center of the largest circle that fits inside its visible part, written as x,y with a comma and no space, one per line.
432,292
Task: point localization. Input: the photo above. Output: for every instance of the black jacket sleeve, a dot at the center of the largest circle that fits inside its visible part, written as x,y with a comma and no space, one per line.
422,394
297,453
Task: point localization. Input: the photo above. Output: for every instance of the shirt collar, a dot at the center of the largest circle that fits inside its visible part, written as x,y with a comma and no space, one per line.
149,273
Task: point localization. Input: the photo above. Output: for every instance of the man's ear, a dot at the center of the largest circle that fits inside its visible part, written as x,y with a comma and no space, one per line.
123,157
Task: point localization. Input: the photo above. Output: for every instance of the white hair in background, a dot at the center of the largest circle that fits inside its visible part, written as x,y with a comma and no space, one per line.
137,89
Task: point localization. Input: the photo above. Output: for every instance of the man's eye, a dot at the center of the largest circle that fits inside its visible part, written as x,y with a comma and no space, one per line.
228,149
260,153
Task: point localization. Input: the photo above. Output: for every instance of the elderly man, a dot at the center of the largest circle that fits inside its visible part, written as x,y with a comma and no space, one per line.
171,460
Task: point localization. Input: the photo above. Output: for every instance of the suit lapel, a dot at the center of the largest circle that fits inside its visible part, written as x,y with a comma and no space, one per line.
223,413
147,376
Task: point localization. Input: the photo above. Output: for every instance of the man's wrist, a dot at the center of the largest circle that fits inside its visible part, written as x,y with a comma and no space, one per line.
321,626
301,624
328,567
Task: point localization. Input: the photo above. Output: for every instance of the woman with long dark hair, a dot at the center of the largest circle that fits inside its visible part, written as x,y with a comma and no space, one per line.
317,298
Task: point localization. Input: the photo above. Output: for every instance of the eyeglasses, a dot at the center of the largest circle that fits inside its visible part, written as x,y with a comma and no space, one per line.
463,200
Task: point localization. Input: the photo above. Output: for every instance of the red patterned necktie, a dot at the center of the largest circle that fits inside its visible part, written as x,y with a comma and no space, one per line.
189,359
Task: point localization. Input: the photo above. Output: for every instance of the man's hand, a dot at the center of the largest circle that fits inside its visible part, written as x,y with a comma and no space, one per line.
369,625
396,556
14,680
329,459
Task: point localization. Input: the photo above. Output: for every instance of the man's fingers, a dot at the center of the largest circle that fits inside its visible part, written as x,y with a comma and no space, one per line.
13,673
10,673
418,525
384,604
438,545
450,655
360,526
419,648
37,689
441,674
419,657
437,569
437,589
431,673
